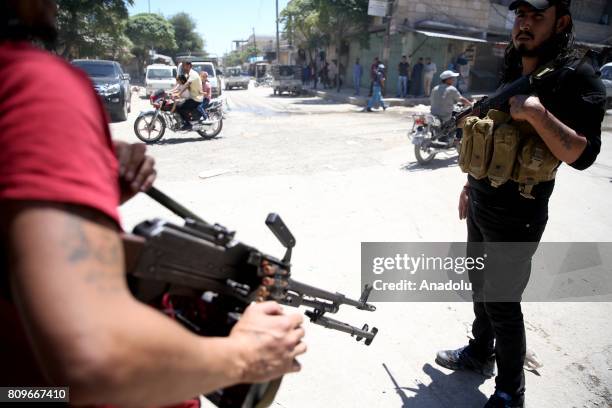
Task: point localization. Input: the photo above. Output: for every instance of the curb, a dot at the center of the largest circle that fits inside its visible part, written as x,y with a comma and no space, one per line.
363,100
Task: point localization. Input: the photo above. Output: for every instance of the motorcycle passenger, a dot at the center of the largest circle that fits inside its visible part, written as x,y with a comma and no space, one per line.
444,97
174,92
194,85
206,93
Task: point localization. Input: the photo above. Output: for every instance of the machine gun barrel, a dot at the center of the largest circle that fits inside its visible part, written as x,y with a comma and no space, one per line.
336,298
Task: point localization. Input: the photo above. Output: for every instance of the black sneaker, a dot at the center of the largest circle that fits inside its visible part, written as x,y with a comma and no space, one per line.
502,400
186,126
460,359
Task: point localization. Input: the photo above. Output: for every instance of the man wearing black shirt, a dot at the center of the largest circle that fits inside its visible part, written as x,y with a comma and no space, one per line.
566,115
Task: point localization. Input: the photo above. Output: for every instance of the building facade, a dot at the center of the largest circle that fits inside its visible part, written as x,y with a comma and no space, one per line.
451,31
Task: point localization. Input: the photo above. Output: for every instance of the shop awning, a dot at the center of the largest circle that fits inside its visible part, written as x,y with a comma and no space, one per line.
449,36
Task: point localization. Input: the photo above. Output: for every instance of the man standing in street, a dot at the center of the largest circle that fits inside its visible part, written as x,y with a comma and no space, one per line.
357,74
66,314
429,70
402,79
379,84
416,84
564,121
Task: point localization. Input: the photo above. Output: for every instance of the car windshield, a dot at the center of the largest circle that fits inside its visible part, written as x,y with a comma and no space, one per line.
234,72
159,73
286,71
97,70
606,73
205,67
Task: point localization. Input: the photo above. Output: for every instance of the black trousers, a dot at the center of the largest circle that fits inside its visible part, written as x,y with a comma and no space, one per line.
187,106
498,327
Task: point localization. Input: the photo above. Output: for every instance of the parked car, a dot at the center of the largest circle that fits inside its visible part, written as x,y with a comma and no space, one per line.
287,78
606,76
235,78
111,83
159,76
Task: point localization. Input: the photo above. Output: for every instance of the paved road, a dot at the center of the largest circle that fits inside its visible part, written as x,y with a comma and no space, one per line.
339,177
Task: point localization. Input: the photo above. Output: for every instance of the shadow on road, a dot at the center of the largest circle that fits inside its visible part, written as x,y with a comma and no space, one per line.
182,140
434,165
457,390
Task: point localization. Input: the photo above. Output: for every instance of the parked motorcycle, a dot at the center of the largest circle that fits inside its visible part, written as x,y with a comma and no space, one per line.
150,126
430,136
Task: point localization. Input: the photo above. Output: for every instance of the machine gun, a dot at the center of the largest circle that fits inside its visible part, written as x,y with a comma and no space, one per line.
201,276
525,85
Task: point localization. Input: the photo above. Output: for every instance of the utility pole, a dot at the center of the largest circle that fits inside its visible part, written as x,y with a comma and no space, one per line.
387,41
277,37
254,42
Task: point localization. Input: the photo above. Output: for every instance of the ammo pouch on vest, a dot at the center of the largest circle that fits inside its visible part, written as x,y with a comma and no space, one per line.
495,148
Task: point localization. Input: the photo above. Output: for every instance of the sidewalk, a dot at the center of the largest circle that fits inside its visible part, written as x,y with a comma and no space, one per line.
346,95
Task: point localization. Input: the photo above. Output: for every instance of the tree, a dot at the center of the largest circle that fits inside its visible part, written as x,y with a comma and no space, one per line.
339,18
149,32
187,39
239,57
301,18
92,28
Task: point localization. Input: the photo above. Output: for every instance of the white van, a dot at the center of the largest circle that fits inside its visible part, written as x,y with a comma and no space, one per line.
160,76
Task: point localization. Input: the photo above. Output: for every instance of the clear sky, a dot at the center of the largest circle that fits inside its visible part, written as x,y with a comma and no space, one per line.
220,21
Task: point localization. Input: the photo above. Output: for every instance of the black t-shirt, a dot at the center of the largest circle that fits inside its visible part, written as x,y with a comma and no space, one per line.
576,98
403,68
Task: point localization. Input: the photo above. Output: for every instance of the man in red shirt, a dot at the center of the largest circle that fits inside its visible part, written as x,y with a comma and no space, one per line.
67,317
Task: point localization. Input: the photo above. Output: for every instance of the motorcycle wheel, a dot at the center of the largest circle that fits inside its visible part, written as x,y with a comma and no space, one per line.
147,131
422,154
213,131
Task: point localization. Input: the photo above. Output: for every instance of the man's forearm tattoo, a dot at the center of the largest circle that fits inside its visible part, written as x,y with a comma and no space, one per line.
559,131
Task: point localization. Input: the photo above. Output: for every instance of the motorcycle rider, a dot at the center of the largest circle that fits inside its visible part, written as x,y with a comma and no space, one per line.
194,84
443,99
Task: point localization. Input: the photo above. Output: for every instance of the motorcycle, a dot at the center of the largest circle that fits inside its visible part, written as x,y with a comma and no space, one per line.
150,126
430,136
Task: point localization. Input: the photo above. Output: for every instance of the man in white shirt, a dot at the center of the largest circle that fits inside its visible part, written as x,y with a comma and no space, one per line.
429,71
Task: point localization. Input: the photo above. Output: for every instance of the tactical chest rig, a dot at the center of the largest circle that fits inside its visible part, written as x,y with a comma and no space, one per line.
500,149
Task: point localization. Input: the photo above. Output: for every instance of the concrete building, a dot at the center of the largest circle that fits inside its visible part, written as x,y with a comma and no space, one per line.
266,48
478,30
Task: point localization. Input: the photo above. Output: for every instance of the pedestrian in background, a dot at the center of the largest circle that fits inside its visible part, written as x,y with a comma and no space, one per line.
373,70
429,70
377,87
340,76
402,79
357,74
416,85
332,72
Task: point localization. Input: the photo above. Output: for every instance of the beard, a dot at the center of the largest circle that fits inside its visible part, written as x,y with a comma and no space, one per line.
545,49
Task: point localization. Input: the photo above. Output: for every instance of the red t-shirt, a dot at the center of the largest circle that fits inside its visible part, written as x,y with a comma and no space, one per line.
55,145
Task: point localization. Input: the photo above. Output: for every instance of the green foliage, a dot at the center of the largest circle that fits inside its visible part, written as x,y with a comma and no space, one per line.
92,28
147,32
187,38
317,23
238,57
